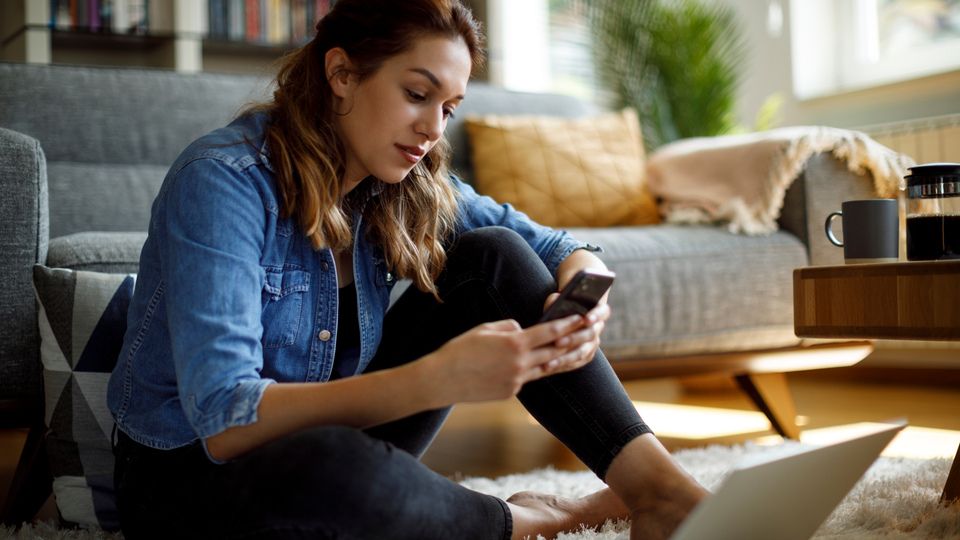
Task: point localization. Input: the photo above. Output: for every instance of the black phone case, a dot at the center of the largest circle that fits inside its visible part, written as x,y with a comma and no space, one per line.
580,295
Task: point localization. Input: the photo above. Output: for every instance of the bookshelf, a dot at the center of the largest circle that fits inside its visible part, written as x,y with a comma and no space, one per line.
234,36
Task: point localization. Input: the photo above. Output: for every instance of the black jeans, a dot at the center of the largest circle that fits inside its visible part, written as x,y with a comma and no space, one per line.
339,482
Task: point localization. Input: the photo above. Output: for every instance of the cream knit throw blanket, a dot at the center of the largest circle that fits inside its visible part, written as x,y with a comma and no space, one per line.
742,179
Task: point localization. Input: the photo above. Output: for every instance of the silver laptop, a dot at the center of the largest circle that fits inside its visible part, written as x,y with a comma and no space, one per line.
785,496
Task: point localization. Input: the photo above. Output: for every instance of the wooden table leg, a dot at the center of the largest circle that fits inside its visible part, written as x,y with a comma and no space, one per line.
770,393
951,490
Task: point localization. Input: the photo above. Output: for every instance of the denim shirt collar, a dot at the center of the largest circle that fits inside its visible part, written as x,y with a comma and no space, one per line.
264,154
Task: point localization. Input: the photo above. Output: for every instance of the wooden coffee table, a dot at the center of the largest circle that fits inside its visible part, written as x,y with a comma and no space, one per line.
905,300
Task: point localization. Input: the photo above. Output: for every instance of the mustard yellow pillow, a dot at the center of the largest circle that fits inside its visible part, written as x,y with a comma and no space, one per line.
563,172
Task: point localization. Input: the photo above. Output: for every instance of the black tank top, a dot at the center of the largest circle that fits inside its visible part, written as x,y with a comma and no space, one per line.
348,335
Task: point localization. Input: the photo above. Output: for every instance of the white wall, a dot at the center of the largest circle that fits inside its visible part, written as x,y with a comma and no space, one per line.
769,68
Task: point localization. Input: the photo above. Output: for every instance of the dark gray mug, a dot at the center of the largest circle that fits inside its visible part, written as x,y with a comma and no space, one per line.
871,231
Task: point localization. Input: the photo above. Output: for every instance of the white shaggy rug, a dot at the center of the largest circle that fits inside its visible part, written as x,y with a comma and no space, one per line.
896,499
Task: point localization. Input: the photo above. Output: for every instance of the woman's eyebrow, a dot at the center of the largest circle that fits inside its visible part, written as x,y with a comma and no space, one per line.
433,78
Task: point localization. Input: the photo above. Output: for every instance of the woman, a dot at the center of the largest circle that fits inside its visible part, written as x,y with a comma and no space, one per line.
262,390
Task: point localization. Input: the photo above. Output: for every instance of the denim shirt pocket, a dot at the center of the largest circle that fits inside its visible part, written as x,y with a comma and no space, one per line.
283,293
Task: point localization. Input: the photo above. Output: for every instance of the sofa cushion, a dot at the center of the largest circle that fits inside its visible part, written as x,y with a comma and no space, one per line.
110,134
113,252
83,316
101,197
684,290
97,115
482,98
562,172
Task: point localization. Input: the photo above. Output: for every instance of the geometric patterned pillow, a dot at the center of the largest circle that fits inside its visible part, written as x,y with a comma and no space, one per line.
82,319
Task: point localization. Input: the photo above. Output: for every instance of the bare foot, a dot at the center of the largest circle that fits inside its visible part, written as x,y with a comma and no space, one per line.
548,515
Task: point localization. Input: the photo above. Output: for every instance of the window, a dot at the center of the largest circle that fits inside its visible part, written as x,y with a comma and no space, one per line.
518,44
843,45
541,46
571,50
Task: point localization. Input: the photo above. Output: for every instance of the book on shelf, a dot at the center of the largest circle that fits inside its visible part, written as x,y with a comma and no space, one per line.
216,19
262,22
298,21
265,22
115,16
236,24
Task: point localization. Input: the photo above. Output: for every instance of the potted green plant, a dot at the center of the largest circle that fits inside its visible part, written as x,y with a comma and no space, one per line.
677,62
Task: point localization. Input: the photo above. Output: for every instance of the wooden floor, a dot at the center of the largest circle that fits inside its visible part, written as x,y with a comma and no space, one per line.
494,439
500,438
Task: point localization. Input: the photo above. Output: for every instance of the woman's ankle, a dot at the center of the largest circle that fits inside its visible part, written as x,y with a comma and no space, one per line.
645,476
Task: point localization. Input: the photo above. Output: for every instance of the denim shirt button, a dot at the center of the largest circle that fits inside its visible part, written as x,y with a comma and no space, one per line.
389,277
325,266
324,335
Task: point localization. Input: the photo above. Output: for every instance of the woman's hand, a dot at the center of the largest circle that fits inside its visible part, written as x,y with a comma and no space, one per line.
594,322
494,360
597,317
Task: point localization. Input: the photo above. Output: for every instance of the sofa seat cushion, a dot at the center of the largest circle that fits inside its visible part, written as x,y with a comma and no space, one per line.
684,290
680,289
113,252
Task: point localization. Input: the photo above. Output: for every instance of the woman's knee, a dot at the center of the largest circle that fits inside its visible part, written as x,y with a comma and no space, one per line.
492,238
498,250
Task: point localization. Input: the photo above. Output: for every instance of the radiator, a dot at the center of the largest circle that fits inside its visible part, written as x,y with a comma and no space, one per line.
926,140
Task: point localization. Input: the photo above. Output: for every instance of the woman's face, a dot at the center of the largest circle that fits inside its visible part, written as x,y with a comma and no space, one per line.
397,115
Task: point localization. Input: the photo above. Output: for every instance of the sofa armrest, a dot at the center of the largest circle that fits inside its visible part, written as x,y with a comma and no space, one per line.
23,242
819,190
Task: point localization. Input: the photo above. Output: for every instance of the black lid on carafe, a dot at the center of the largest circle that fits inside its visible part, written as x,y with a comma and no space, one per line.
928,173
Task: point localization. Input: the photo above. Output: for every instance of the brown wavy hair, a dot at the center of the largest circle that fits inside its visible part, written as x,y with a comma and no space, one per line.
410,220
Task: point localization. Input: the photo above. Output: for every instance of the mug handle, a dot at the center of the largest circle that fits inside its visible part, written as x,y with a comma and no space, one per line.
827,227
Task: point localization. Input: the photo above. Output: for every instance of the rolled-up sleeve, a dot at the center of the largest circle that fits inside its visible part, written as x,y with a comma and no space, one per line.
551,245
213,237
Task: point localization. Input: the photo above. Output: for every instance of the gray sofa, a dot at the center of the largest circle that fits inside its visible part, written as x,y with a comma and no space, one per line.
84,150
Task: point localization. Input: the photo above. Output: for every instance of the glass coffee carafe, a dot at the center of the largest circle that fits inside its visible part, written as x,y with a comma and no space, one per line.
933,212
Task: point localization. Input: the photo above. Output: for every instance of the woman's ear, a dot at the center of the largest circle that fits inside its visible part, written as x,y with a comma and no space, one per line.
339,72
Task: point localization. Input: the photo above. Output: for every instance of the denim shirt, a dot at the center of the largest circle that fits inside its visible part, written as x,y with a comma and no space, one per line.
231,297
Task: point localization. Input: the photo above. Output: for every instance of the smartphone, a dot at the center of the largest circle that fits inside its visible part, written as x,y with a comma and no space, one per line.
580,295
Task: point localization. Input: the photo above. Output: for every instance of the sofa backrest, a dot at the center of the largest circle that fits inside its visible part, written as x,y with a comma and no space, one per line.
109,134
